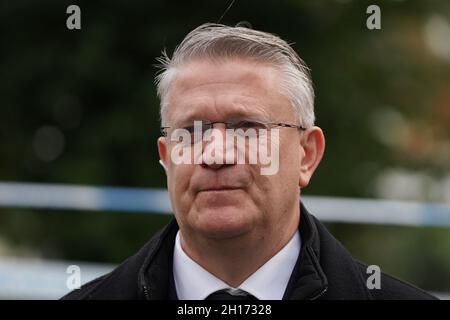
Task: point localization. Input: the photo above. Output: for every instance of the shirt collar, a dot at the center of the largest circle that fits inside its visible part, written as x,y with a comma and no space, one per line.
269,282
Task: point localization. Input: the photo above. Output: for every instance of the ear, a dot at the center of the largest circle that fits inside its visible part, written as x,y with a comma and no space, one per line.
162,150
313,145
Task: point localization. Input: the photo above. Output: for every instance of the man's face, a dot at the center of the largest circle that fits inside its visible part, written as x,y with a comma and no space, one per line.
231,200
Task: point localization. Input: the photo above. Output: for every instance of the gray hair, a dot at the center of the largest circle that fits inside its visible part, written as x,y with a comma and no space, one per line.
220,41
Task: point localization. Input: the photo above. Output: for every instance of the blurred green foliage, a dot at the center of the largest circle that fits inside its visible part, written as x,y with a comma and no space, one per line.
95,85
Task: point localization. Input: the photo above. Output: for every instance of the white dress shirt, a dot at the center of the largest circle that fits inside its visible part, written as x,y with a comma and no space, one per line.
269,282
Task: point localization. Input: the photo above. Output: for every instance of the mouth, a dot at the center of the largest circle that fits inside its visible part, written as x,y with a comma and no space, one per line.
219,189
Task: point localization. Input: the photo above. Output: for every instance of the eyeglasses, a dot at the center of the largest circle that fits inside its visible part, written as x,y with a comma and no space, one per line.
243,126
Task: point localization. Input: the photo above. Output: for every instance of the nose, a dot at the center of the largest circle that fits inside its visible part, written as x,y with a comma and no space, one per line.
214,166
214,150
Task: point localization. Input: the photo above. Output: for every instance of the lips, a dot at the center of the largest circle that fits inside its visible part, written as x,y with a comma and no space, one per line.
219,188
230,179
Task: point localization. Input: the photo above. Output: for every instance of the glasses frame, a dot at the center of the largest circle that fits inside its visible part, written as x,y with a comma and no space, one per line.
227,124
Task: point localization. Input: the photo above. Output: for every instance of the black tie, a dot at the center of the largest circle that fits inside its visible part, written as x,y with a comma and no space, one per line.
225,295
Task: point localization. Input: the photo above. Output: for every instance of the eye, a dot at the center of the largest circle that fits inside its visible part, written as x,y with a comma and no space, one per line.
190,129
248,124
206,126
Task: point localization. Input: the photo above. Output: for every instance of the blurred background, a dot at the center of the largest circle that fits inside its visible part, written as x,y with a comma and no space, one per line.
78,109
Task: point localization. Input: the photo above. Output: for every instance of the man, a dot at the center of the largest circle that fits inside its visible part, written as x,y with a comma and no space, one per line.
239,232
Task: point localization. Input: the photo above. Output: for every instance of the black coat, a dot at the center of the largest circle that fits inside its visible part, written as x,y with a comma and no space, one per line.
324,270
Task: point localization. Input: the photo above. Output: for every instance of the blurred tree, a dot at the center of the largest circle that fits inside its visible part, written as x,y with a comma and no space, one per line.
79,106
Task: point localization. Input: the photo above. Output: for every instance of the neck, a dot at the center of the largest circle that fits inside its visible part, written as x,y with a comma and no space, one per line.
235,259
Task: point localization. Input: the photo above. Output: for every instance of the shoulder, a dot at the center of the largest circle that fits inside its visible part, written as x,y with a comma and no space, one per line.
122,283
85,292
347,275
392,288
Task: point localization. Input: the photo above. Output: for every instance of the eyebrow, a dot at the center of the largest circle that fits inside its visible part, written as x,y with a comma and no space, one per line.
234,114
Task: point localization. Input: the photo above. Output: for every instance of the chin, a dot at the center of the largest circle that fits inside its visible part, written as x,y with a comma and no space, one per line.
223,223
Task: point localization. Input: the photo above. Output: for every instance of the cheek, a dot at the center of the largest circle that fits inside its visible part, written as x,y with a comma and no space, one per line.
290,164
288,174
290,154
178,185
287,178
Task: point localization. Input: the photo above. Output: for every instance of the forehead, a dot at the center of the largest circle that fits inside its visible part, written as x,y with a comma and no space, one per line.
215,90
